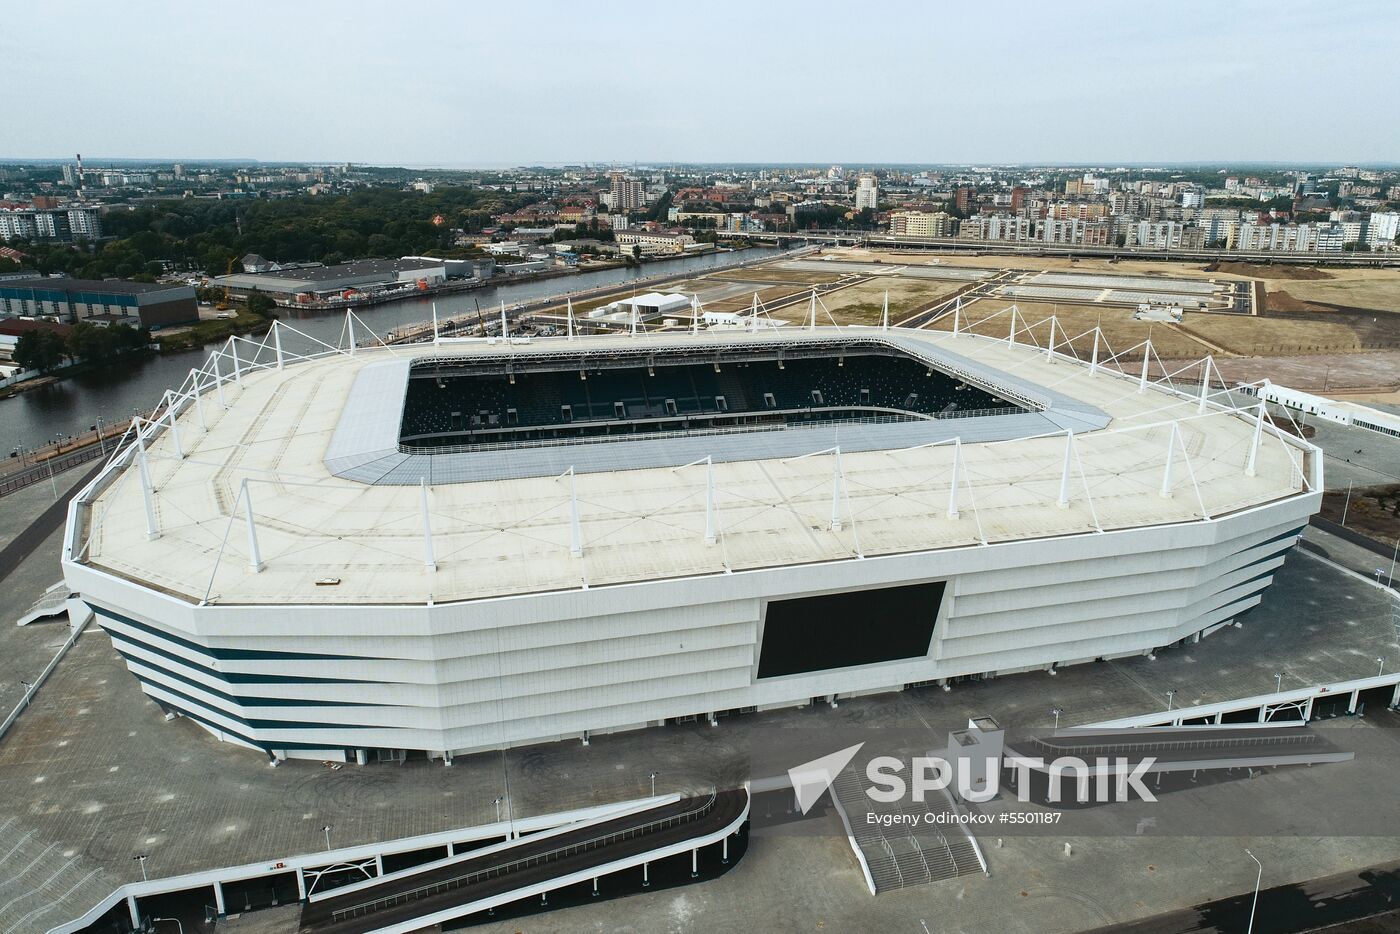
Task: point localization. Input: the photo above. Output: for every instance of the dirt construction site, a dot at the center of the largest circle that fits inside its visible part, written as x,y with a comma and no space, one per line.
1236,312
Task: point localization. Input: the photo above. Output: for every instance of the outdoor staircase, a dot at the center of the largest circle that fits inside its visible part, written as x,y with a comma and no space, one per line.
53,603
902,855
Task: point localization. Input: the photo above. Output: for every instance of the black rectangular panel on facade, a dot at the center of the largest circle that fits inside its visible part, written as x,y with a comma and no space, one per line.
841,630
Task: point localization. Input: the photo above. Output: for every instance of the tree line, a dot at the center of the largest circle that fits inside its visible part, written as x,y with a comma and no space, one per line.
212,236
46,350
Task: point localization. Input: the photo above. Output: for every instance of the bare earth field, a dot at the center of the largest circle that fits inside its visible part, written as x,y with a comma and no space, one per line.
1076,326
864,303
1058,264
1372,511
777,274
1377,371
1376,289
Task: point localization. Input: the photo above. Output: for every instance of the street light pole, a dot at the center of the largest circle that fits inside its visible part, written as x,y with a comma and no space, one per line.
1056,711
1278,682
497,802
1257,879
141,858
1170,695
327,830
653,784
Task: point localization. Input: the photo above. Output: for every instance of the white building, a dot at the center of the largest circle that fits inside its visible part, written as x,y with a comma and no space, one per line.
647,243
652,305
627,193
867,193
1381,230
1291,238
1159,235
76,222
295,588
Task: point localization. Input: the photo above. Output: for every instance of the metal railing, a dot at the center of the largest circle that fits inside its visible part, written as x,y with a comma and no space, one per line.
558,853
33,689
1183,745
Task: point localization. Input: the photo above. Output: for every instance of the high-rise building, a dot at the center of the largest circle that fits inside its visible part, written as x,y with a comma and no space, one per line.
70,175
963,200
627,192
1382,228
73,223
867,193
1018,198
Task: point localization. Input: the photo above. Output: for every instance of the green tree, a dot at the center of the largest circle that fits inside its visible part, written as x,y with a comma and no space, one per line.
91,343
260,304
39,350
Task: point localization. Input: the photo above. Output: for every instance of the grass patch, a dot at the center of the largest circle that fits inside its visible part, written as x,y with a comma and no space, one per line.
211,332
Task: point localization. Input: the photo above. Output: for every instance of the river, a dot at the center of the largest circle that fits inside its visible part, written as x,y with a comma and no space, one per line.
113,394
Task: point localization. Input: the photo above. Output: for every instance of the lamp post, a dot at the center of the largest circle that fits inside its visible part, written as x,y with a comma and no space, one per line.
155,921
327,830
1257,879
1278,682
54,483
1056,711
141,858
28,691
497,802
653,784
1381,670
1170,694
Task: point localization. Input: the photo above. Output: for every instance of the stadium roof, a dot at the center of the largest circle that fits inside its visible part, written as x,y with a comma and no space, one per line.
365,444
529,534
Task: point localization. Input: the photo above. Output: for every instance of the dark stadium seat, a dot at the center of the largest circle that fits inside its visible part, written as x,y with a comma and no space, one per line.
656,396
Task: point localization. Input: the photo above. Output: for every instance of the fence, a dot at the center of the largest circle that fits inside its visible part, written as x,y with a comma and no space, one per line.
39,681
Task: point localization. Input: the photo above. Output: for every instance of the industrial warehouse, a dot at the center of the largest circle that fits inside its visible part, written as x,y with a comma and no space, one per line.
378,552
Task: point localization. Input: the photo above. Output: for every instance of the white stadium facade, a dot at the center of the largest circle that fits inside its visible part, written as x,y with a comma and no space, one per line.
362,552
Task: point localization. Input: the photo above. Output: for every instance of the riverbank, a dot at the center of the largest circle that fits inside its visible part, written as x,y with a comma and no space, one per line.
198,335
461,324
71,405
27,385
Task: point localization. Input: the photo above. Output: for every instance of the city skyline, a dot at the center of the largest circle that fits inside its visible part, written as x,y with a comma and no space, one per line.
480,87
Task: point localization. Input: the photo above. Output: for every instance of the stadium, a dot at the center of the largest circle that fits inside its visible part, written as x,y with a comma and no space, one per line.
379,552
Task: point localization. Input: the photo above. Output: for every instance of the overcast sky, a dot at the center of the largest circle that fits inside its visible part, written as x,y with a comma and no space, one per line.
492,83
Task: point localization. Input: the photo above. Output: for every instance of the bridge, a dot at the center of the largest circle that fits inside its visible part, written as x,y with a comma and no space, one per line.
865,238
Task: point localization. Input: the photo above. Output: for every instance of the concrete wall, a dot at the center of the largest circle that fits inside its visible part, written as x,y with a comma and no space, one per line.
470,676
